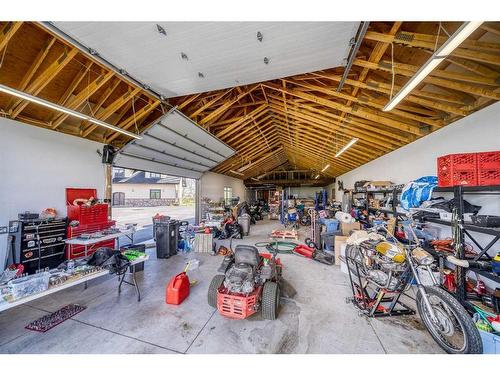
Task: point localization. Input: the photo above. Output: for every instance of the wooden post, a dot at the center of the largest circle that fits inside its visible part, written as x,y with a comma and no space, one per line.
108,187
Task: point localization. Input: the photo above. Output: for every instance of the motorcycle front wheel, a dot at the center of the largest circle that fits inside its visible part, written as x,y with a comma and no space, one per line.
455,331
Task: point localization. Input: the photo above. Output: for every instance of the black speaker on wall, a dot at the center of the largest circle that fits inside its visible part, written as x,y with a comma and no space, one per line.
108,154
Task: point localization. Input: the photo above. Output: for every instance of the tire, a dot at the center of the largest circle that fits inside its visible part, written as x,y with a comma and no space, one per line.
472,340
270,300
212,290
353,254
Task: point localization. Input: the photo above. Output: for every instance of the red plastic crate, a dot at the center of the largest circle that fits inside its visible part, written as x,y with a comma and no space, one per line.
78,251
457,169
488,168
488,177
488,160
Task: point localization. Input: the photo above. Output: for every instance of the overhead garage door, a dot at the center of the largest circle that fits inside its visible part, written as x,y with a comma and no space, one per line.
176,146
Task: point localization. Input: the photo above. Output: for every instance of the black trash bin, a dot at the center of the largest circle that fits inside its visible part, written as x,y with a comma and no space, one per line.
159,219
166,235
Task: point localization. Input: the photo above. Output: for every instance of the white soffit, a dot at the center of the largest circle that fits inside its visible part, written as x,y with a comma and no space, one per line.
176,146
228,54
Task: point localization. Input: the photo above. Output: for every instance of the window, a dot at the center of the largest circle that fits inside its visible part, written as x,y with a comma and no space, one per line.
154,194
228,195
119,172
153,175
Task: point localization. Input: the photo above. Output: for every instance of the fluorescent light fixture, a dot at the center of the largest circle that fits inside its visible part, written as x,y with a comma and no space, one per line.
448,47
255,179
351,142
325,167
317,176
56,107
262,175
235,172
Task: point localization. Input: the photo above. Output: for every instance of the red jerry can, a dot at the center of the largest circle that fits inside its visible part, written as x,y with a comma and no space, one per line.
177,289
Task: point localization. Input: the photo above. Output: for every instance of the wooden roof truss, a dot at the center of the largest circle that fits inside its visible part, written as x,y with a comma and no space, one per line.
295,123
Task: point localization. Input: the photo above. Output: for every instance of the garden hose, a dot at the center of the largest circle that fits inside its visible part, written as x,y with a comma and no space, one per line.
274,247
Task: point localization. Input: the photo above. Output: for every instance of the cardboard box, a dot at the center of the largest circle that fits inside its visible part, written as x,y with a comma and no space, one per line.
343,264
377,184
339,241
347,228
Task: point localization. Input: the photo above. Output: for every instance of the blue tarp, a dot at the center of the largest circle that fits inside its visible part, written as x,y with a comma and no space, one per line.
418,191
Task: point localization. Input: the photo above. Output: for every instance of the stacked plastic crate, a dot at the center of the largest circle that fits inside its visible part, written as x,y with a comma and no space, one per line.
472,169
91,219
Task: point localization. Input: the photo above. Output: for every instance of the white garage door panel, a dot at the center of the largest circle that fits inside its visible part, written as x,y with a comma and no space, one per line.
176,146
148,153
159,144
169,135
125,161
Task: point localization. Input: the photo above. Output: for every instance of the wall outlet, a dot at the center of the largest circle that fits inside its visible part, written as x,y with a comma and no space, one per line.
3,230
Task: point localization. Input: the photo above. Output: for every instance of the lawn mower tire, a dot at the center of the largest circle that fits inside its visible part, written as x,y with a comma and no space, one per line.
270,300
212,290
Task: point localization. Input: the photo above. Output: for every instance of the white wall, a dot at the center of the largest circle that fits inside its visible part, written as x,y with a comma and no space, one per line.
212,186
475,133
36,165
304,191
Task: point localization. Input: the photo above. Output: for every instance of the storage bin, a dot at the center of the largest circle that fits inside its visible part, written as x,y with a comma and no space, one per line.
491,342
331,225
136,247
28,285
488,160
489,177
457,169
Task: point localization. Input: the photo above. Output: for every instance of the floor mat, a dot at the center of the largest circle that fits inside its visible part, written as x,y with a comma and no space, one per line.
49,321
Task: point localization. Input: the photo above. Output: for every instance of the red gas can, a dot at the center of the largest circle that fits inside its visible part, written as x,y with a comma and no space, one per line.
177,289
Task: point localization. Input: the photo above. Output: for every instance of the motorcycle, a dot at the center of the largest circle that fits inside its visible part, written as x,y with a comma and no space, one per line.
379,260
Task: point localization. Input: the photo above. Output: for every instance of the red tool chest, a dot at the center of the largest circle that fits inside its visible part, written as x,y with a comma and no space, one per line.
97,213
77,251
91,219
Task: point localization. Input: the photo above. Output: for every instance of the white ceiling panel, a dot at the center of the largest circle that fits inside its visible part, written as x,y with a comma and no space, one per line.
176,146
228,54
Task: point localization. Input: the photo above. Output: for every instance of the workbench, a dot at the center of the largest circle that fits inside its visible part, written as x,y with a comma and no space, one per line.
81,280
129,233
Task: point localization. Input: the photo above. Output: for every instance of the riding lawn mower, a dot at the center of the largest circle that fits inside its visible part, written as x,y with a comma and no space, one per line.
249,282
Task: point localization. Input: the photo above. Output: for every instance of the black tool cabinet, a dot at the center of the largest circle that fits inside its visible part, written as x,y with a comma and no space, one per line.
38,243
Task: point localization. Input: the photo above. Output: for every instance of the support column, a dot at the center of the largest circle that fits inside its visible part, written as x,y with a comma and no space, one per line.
197,202
108,188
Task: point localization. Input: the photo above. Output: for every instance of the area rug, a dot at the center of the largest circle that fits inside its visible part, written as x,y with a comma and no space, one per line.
51,320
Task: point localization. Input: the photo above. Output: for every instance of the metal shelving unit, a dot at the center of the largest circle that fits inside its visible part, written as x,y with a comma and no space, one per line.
467,230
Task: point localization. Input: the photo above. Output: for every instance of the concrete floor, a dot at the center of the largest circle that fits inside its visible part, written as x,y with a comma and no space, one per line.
317,320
